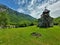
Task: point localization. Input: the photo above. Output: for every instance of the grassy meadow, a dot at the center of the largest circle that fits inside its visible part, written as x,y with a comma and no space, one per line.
22,36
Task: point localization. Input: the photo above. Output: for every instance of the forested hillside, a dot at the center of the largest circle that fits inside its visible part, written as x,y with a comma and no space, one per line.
9,16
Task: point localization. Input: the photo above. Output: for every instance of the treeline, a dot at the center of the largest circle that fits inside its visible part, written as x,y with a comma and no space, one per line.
4,20
57,21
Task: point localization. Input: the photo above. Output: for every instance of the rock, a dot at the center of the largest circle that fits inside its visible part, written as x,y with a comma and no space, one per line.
36,34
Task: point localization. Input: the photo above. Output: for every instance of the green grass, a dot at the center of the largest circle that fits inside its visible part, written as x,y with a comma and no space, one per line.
21,36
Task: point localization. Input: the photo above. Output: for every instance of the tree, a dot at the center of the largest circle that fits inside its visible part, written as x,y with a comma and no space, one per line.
4,20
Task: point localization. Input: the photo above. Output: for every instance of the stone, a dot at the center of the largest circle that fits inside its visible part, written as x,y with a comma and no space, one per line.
36,34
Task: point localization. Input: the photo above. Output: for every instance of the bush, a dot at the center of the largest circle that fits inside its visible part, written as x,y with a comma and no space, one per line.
56,23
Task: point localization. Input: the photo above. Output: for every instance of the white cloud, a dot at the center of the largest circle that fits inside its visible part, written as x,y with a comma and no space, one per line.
36,10
20,10
21,2
55,9
32,2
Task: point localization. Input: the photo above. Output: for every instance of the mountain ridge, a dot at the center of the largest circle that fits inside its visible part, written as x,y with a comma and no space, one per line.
15,17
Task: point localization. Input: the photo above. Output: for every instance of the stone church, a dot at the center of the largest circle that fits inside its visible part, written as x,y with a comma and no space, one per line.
45,20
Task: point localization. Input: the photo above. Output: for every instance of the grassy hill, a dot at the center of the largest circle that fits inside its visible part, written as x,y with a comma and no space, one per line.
22,36
14,17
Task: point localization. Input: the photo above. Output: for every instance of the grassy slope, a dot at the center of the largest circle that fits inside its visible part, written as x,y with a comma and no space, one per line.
21,36
14,17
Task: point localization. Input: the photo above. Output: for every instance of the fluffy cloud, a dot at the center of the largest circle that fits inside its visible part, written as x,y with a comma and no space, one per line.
36,7
55,9
20,10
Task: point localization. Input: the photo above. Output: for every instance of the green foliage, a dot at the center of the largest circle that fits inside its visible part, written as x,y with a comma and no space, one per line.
4,20
57,21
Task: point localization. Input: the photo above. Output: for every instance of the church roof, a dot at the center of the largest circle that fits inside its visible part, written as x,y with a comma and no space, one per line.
46,10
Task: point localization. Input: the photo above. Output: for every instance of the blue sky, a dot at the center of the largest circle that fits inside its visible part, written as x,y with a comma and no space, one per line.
34,7
9,3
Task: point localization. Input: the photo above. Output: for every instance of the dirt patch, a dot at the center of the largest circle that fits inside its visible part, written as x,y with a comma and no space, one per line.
36,34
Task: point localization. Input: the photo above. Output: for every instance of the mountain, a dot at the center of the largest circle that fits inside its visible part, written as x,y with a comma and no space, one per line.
14,17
